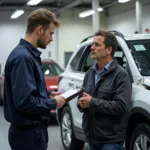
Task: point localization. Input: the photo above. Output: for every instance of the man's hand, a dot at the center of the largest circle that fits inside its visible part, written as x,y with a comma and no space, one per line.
60,101
85,100
53,94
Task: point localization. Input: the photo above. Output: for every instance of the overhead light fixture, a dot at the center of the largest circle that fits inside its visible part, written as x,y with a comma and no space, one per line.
34,2
86,13
123,1
17,14
100,9
89,12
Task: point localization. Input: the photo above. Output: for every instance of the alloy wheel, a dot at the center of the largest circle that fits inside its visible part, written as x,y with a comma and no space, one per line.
66,129
142,142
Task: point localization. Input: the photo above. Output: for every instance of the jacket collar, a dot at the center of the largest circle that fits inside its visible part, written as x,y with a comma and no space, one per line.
30,47
106,67
112,66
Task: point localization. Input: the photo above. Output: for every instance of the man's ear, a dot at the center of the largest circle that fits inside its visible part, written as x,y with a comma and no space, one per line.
40,30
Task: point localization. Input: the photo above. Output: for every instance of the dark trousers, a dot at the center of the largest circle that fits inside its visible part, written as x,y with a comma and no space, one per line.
112,146
33,138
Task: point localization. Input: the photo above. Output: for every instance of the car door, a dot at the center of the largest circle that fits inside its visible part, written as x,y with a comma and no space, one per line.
84,64
73,78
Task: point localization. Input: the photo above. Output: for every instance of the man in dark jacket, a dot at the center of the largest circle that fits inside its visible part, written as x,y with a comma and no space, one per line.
106,101
27,103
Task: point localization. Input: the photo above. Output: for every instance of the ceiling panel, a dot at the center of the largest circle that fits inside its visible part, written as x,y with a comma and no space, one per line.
52,4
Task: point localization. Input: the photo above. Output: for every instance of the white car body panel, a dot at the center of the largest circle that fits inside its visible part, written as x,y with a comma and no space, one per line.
140,94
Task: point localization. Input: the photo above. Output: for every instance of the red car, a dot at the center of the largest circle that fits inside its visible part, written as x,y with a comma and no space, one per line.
51,72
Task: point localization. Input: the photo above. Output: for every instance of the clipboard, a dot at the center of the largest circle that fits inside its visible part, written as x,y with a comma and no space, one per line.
72,93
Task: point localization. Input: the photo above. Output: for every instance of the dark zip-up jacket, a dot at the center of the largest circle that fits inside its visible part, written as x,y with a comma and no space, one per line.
106,119
26,101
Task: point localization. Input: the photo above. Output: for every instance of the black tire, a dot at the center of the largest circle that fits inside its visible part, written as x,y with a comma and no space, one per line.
75,144
1,96
142,130
1,102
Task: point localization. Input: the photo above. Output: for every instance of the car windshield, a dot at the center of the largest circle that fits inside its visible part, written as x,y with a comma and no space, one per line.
51,69
140,50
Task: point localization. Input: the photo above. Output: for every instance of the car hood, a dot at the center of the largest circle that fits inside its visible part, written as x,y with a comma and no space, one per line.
51,82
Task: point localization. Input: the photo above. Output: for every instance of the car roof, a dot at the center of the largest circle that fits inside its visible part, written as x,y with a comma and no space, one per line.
137,37
116,33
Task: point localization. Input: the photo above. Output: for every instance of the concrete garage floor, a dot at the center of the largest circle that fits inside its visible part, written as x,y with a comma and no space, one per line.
3,131
53,130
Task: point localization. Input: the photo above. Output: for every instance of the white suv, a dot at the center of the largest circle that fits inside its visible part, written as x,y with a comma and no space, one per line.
133,54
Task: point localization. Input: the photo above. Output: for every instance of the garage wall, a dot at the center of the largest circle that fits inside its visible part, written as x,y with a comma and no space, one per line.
121,17
11,32
71,32
73,29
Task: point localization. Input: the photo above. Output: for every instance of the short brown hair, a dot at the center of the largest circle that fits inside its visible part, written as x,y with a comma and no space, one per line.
41,17
109,40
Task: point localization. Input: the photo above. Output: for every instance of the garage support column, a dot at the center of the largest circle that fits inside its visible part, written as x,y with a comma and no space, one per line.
138,7
95,16
56,45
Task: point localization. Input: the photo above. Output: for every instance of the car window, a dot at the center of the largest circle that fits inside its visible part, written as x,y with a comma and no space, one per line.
86,61
120,56
74,63
51,69
140,50
122,61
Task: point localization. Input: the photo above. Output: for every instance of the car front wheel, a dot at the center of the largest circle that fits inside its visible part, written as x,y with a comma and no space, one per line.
140,139
67,133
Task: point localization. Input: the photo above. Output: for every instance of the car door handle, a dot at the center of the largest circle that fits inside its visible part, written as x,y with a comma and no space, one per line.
71,83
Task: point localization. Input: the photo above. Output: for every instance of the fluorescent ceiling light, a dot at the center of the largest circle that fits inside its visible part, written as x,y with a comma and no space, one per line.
123,1
89,12
86,13
16,14
100,9
34,2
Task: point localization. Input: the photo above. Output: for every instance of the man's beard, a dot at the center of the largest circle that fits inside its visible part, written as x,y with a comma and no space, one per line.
41,44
